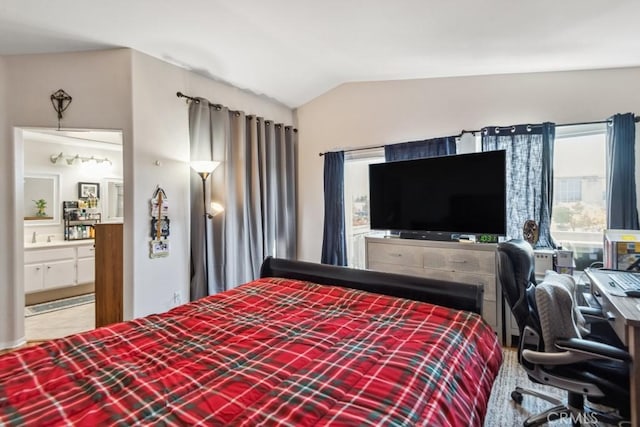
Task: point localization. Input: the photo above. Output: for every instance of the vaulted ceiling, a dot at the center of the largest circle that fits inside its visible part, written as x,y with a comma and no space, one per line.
294,50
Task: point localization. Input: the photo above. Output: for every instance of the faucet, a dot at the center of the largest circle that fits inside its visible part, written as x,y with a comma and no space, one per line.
33,237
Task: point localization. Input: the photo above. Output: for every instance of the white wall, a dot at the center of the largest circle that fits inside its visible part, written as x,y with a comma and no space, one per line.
376,113
113,89
99,83
161,133
11,332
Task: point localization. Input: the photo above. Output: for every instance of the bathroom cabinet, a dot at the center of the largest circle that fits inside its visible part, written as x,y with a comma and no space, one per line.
86,264
57,266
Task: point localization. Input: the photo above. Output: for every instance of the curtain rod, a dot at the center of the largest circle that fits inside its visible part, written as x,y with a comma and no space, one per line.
197,101
473,132
220,106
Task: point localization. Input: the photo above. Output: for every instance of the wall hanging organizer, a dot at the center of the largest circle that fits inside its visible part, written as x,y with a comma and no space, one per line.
159,245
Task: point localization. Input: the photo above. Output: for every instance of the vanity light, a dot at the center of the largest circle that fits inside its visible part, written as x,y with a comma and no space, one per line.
91,161
55,157
74,160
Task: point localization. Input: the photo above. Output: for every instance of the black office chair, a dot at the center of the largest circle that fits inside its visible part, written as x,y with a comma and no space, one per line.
552,350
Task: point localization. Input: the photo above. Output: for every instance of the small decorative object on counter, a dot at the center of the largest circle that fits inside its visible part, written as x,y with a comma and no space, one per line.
41,205
92,202
159,245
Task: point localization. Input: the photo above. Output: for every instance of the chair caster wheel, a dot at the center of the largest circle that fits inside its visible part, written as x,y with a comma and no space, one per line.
517,397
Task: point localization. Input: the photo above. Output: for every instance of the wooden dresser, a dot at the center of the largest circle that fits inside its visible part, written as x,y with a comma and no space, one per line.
109,274
473,263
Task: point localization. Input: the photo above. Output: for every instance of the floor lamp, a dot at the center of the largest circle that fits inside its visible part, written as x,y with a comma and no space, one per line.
204,169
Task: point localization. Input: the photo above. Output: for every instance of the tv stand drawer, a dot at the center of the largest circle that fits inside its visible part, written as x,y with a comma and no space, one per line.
459,260
394,254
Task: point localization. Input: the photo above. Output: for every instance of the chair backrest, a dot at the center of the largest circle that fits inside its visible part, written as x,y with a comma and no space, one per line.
516,271
555,304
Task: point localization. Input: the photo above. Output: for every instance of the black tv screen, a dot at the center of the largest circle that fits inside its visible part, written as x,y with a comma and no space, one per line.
463,194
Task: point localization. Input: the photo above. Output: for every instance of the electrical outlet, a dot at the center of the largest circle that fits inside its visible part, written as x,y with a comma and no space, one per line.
176,298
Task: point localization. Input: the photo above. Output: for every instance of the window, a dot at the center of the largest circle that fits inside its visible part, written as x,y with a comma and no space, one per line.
356,196
567,190
579,206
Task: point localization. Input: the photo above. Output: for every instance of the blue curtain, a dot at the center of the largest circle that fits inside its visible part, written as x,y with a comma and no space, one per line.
334,243
420,149
529,153
622,212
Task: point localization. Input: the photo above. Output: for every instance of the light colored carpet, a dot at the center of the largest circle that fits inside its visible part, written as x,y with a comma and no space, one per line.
502,410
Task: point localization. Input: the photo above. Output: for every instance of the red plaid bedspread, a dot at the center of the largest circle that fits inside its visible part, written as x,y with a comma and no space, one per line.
271,352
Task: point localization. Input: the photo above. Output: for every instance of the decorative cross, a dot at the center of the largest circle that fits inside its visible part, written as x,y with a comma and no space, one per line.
60,101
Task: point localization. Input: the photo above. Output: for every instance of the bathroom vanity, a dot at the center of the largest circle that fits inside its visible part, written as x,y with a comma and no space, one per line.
58,264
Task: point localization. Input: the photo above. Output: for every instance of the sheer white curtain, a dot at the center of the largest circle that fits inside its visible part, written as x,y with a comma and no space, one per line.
256,185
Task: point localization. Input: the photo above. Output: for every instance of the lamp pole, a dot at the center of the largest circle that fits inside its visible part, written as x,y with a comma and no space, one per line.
204,169
204,176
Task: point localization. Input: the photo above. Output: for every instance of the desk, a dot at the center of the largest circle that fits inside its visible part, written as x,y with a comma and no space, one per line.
624,316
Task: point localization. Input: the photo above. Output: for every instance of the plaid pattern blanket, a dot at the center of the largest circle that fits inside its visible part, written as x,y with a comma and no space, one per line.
271,352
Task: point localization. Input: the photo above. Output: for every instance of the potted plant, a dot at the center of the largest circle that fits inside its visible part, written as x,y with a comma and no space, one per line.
41,205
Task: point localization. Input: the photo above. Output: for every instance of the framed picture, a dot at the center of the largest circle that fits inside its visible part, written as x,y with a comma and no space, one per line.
159,230
88,189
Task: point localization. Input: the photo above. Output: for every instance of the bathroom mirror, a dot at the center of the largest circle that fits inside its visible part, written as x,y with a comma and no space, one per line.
41,199
112,200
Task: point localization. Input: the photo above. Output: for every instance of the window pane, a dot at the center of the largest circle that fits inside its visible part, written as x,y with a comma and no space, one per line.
579,210
356,210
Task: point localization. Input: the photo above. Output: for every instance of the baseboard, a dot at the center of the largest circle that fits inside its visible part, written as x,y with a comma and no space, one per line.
54,294
12,345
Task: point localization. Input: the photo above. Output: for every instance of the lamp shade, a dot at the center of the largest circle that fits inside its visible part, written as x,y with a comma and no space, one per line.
204,166
216,208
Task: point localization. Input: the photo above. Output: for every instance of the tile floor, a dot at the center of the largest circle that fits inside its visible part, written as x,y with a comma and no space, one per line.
60,323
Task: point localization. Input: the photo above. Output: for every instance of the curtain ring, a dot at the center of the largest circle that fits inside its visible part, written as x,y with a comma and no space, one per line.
513,129
610,123
485,131
497,131
528,128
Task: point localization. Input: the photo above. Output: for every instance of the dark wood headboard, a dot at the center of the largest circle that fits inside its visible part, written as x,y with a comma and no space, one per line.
460,296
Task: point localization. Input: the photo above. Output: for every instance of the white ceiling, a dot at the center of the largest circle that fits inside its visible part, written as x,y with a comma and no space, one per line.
294,50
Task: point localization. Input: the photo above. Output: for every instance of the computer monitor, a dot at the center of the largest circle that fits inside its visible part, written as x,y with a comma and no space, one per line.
622,250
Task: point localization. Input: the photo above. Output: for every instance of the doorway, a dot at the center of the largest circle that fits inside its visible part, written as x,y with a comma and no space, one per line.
71,179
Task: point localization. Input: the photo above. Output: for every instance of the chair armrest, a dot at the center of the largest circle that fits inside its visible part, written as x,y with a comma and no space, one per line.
552,359
595,349
576,350
592,314
591,311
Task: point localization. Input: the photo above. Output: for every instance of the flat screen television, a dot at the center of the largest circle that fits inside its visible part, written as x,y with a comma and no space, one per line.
437,197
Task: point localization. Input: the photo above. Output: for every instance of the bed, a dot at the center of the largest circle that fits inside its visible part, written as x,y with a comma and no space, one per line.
305,344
